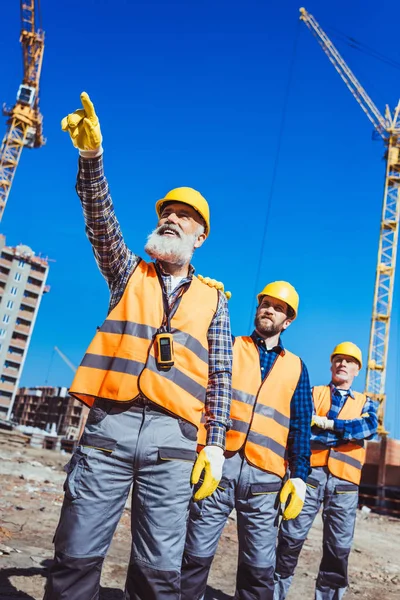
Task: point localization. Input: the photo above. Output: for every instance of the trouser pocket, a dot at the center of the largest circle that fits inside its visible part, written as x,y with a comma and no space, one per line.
261,489
183,454
99,442
74,470
188,430
346,488
312,483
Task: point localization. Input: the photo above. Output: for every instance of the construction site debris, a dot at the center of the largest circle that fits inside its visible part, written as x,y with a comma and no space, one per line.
374,566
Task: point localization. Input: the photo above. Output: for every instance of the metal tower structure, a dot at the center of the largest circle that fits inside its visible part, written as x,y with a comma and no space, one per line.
388,127
24,125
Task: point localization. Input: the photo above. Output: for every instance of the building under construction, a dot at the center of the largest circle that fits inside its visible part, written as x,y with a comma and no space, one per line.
22,284
49,408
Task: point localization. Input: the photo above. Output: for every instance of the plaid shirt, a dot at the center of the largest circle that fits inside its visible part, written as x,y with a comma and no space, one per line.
346,430
116,263
301,408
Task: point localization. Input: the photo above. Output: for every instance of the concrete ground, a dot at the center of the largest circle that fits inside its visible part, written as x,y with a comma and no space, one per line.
30,500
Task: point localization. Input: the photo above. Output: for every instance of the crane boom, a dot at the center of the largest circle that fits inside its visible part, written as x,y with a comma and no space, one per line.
345,73
389,129
65,359
24,126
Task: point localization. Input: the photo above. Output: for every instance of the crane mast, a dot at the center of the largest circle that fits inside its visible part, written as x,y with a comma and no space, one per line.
388,127
24,125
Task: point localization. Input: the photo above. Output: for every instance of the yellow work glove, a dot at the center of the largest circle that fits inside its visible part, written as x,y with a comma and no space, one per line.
210,460
296,488
216,284
83,126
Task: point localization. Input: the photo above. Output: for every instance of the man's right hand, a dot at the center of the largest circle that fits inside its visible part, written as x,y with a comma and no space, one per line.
215,284
83,126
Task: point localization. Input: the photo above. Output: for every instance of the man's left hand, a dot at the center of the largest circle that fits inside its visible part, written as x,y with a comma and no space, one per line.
296,489
210,460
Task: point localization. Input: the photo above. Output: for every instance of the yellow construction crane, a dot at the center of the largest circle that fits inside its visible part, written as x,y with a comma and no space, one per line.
24,125
388,127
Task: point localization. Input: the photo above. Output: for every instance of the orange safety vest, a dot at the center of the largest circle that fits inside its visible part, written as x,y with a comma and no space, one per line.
260,409
344,461
120,362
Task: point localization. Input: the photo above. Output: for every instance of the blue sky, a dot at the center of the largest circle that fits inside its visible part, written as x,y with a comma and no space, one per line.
191,93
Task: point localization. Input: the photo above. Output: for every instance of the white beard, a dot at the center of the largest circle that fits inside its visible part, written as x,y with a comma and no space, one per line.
177,250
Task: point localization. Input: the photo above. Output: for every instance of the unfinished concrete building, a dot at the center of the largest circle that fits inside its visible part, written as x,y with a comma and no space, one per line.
45,407
22,284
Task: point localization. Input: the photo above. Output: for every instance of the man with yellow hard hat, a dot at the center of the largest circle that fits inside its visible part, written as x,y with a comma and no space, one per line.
343,419
270,430
161,359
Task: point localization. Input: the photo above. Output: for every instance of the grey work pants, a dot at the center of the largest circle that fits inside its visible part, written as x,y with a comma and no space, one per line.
254,493
125,444
339,499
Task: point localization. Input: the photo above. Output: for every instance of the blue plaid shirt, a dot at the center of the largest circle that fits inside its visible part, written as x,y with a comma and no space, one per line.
346,430
117,263
301,409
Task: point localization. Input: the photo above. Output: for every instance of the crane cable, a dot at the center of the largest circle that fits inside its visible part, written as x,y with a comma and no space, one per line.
276,162
361,47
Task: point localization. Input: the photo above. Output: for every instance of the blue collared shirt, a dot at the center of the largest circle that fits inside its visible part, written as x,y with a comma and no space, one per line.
346,430
301,409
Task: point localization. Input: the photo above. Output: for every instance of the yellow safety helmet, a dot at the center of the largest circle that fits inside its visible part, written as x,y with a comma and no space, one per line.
282,290
193,198
349,349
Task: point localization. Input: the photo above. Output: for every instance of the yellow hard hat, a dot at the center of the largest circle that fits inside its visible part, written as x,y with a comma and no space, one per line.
349,349
282,290
193,198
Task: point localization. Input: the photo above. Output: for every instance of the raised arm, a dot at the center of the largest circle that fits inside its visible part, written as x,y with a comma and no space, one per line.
113,257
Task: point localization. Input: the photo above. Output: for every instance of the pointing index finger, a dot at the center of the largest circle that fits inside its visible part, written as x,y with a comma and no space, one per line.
88,106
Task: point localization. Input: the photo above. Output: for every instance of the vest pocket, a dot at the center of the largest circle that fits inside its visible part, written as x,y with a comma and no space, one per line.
177,454
346,488
257,489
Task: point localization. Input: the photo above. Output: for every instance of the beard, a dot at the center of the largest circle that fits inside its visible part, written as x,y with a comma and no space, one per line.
266,327
177,250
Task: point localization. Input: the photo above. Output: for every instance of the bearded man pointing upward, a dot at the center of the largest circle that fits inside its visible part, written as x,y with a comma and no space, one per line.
161,359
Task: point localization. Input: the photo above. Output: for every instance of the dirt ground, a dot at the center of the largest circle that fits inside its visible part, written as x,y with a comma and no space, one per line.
30,500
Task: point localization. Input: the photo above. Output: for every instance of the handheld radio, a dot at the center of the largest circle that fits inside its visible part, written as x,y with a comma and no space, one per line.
164,340
164,344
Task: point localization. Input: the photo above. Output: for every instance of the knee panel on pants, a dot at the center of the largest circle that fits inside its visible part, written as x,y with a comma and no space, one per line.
254,582
77,578
194,575
287,555
333,569
145,583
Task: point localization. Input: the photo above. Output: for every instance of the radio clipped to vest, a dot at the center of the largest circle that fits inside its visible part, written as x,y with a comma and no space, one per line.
164,340
164,345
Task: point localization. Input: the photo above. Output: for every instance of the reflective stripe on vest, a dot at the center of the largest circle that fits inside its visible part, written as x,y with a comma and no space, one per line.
260,410
120,362
345,461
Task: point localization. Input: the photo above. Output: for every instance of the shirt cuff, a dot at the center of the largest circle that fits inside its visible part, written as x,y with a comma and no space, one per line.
339,425
91,153
216,436
300,472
